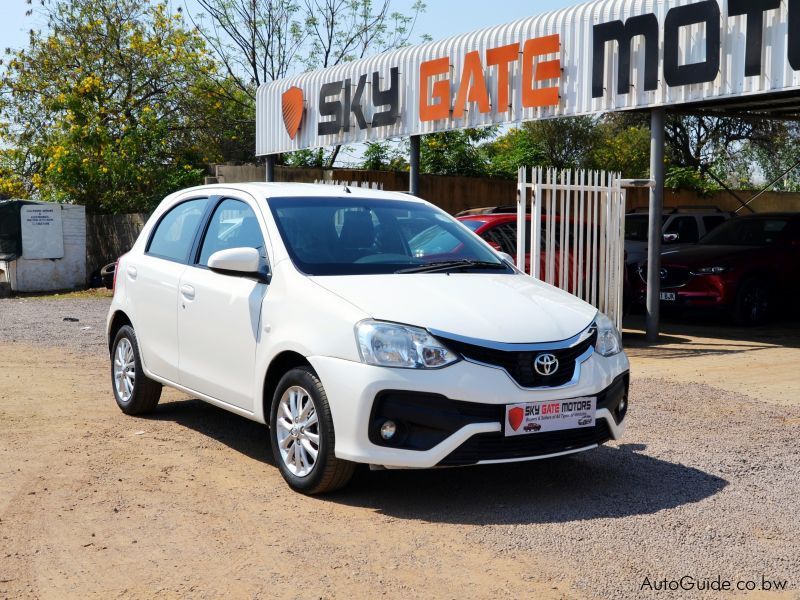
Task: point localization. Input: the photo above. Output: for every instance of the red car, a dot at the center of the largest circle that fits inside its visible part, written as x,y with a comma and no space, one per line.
500,231
745,266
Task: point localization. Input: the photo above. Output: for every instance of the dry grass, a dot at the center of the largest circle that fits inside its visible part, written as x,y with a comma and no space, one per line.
68,294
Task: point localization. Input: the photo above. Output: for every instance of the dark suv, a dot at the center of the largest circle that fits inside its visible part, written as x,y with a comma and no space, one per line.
746,266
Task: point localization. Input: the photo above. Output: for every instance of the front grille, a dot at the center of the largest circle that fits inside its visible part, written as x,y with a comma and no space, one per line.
519,364
495,446
670,277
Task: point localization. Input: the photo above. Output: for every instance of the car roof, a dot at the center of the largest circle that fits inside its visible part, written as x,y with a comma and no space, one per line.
262,189
773,215
489,218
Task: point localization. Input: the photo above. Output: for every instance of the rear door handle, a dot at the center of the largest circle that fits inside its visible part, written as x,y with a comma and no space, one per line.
132,272
187,292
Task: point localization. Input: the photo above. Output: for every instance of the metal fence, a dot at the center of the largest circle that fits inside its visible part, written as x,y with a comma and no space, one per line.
577,233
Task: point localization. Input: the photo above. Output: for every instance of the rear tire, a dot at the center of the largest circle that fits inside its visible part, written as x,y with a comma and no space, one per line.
135,393
302,436
753,303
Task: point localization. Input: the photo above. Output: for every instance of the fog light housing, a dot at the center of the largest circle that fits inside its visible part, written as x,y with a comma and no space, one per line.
388,430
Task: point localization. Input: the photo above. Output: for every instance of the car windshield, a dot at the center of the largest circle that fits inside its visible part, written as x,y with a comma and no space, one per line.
746,232
343,236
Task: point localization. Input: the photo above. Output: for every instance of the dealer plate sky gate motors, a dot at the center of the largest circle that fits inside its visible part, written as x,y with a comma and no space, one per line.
596,57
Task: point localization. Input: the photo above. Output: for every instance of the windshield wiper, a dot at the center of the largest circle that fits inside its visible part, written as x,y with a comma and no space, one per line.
445,265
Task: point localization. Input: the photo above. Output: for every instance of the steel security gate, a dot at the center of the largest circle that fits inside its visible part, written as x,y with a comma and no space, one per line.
575,240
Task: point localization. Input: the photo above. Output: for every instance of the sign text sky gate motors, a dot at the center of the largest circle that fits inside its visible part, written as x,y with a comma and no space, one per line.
595,57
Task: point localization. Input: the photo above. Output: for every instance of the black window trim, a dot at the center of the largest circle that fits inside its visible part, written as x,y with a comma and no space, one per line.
161,219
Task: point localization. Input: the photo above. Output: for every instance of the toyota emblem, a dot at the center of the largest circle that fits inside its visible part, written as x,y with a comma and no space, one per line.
545,364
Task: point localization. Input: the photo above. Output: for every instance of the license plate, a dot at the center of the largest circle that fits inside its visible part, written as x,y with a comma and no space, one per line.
668,296
549,415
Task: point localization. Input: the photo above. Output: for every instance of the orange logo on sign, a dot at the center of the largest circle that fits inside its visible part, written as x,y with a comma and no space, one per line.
292,101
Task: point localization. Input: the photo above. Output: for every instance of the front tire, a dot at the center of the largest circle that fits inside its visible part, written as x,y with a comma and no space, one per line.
753,303
302,436
135,393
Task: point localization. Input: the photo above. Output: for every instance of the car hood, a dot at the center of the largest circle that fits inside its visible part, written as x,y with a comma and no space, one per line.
701,255
501,308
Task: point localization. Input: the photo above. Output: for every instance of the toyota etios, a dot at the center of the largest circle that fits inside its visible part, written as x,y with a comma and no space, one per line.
362,327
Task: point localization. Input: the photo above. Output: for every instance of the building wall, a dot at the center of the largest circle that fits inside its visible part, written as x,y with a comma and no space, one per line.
64,273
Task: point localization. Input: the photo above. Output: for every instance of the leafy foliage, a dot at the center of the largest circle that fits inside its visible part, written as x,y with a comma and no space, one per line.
562,144
382,156
108,107
456,152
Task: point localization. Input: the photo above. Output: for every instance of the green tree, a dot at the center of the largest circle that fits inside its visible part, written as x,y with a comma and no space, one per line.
566,143
622,146
107,107
383,156
460,152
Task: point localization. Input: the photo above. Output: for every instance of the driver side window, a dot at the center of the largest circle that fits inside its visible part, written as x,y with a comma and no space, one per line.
233,225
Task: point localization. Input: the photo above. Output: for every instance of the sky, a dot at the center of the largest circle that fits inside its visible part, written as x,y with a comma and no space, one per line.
443,18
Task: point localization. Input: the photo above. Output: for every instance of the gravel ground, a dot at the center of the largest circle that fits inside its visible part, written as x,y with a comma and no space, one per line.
705,484
40,321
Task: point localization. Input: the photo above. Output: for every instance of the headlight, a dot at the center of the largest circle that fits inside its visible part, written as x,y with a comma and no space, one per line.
712,270
609,341
391,345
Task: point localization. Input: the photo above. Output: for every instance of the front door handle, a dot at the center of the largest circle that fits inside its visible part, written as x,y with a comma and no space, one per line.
187,292
132,272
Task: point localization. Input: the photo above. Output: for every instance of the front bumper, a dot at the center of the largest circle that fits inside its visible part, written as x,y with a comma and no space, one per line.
473,433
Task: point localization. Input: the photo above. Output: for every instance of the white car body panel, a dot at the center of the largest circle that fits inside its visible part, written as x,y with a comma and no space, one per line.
467,304
215,306
219,345
154,284
352,386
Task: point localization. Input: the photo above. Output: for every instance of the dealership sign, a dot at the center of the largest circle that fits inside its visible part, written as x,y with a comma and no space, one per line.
596,57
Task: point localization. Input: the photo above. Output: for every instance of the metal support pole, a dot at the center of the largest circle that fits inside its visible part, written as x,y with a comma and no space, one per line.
270,168
654,232
413,183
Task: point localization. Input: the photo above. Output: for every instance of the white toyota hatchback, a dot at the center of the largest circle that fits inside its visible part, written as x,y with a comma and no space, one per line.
363,327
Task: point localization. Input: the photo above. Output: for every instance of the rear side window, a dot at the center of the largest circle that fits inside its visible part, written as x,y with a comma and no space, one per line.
174,234
712,222
233,225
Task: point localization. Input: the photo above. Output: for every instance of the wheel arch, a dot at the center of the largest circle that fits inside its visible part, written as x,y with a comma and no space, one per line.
118,321
278,367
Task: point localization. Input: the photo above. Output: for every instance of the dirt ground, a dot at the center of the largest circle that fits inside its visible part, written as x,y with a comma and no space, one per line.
188,504
762,362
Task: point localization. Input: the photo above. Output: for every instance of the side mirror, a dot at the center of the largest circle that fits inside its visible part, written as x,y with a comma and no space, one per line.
671,238
238,261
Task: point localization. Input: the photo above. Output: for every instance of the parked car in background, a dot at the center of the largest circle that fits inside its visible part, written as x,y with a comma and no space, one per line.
319,311
683,225
500,231
746,266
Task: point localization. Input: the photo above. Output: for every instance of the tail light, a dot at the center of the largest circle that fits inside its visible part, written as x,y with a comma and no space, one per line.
116,270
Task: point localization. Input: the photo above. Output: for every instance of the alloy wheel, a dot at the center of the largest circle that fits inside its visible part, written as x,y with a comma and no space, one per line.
297,431
124,369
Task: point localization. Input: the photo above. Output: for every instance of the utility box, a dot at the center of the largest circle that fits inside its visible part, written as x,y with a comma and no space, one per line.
42,246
